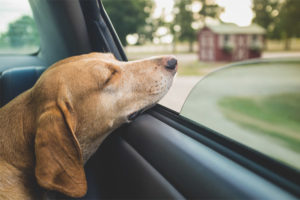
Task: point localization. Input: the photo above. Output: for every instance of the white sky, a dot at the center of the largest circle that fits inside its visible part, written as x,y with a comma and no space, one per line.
237,11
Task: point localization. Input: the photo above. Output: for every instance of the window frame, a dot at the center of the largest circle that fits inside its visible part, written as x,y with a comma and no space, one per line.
265,166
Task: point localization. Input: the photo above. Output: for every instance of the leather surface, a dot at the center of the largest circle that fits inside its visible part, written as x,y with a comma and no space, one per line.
16,80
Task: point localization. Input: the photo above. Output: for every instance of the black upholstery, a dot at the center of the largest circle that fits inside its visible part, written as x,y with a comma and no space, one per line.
16,80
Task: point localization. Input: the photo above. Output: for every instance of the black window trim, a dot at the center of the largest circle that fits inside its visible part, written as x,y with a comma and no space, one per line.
280,174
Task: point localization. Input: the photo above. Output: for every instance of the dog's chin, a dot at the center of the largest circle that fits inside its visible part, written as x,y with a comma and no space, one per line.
158,95
131,117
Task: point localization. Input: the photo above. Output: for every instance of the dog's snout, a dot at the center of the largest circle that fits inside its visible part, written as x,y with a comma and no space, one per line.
171,63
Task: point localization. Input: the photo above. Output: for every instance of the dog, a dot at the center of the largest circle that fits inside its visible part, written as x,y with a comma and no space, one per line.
49,132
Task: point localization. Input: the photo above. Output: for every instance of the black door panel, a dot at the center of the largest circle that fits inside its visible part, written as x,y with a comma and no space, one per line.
154,160
117,170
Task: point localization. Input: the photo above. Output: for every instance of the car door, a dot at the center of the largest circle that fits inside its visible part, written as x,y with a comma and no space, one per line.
163,154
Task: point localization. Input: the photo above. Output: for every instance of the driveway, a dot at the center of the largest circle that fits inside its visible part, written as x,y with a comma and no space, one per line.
179,91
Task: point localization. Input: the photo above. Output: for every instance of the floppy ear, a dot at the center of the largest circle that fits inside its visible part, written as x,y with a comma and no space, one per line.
59,163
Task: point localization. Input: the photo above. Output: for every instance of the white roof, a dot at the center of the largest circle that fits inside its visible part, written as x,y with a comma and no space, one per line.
229,28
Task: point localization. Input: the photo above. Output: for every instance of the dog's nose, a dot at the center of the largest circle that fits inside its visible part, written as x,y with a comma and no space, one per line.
171,63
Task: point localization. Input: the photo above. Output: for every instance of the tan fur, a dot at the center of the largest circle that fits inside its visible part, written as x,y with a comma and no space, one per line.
48,132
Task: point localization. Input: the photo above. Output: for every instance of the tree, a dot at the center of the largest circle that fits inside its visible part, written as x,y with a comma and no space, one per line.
266,15
128,16
209,9
280,18
3,39
186,16
22,32
289,21
183,21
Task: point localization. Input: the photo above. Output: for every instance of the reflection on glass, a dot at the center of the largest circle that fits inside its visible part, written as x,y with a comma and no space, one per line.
255,103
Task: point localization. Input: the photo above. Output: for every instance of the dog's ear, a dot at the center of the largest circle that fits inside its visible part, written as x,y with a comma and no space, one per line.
59,163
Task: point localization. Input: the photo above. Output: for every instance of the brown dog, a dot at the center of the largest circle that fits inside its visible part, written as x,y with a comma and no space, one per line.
48,132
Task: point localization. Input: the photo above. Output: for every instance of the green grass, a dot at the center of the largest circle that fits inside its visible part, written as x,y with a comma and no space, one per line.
276,116
197,68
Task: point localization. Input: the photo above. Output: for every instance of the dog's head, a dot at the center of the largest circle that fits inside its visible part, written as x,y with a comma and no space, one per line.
80,100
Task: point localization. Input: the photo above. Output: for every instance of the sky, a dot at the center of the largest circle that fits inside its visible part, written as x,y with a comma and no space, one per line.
236,11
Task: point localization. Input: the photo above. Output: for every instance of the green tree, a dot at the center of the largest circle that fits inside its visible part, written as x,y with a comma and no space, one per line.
22,32
185,17
209,9
289,21
128,16
266,15
183,23
3,39
280,18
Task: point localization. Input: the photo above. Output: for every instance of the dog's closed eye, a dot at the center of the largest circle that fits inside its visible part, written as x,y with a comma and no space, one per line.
105,75
111,77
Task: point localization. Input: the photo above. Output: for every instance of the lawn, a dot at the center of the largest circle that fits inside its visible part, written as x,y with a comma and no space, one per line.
197,68
276,115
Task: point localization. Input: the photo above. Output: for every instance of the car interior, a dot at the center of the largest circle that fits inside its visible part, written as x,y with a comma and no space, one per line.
159,155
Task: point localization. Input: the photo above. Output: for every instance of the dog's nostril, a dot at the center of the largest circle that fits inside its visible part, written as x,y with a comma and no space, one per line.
171,64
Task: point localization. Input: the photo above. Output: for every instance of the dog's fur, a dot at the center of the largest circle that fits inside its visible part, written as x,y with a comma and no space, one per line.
48,132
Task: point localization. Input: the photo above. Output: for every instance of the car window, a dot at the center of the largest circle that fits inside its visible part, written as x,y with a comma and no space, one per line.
18,32
253,103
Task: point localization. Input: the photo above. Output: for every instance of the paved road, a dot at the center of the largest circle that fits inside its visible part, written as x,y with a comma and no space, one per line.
179,91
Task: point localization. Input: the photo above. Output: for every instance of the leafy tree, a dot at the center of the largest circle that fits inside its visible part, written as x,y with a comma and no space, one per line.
209,9
183,23
128,16
280,18
266,15
3,39
185,17
289,21
22,32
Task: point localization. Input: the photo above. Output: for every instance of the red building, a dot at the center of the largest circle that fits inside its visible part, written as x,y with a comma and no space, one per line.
229,42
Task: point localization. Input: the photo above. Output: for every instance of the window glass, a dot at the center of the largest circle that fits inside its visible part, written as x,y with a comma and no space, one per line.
206,35
254,103
18,32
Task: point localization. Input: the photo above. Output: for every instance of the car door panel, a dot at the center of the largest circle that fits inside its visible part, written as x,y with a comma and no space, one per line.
149,159
117,170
